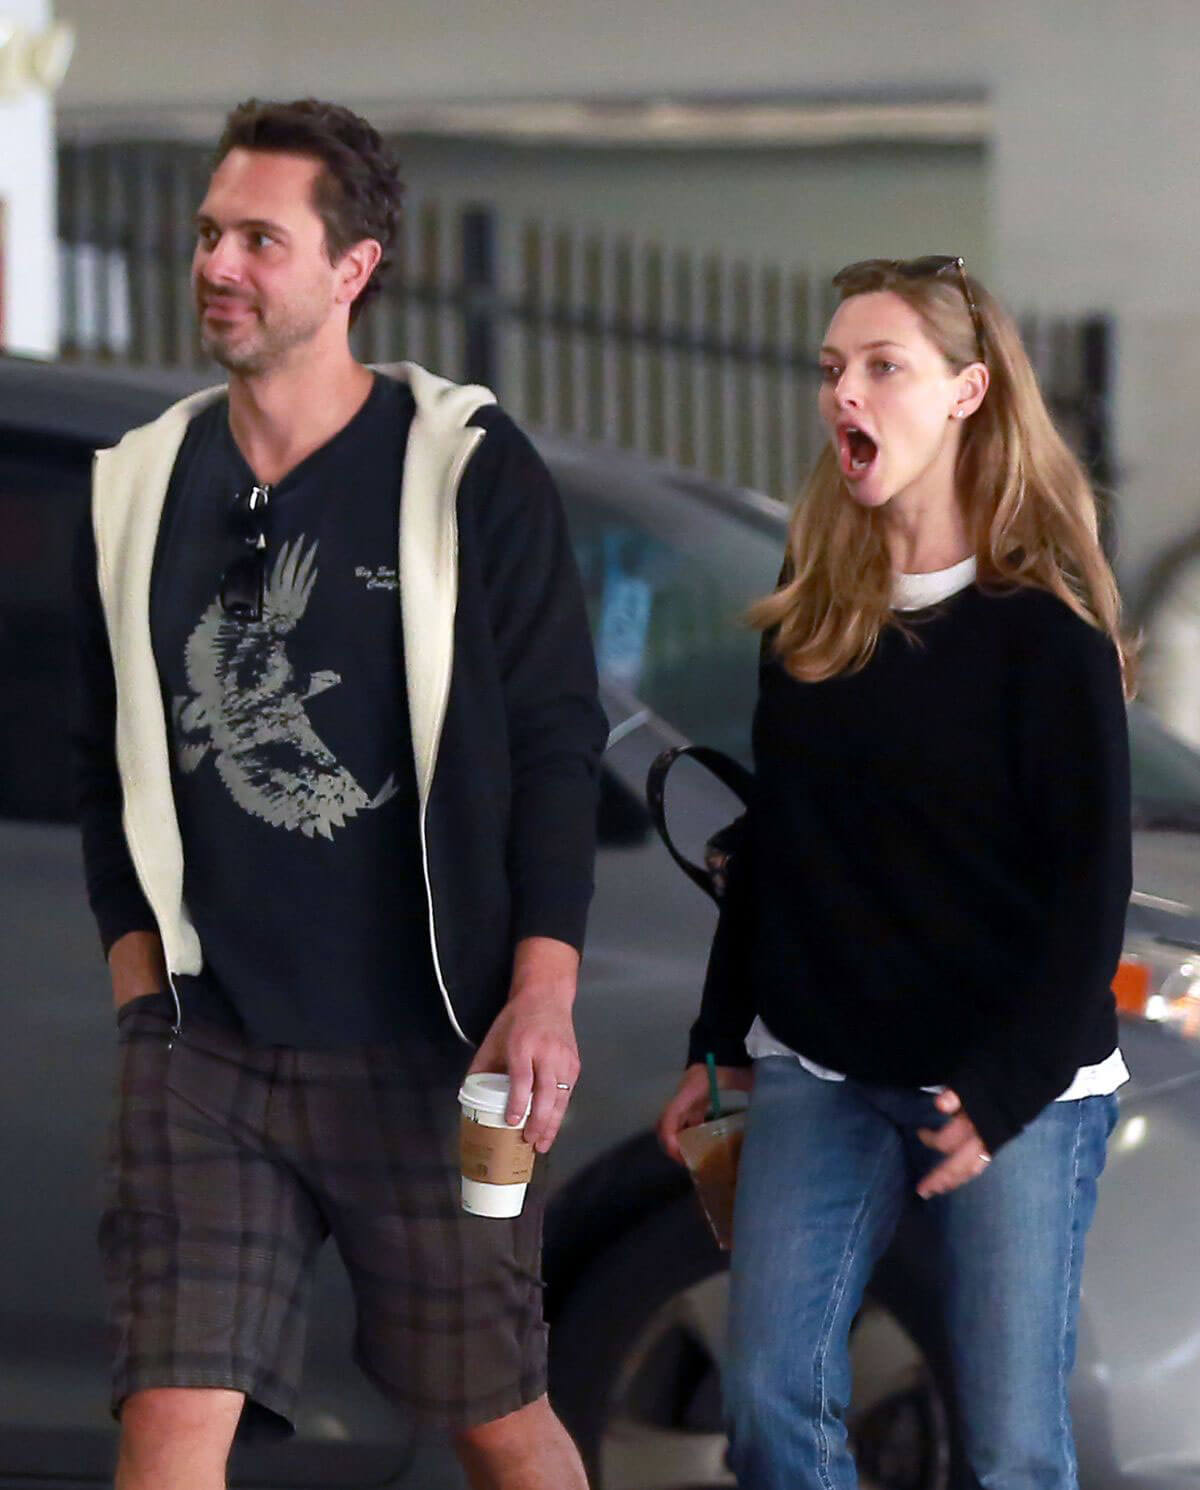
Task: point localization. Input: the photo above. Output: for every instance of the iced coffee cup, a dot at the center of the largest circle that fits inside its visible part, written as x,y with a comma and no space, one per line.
712,1151
496,1160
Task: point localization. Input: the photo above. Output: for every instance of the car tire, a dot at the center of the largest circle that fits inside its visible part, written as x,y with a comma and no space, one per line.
634,1375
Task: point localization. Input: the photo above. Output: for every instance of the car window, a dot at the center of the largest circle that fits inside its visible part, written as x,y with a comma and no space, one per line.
43,494
667,585
1165,771
667,579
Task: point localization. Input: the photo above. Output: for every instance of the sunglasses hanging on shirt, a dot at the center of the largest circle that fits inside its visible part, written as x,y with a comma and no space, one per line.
243,581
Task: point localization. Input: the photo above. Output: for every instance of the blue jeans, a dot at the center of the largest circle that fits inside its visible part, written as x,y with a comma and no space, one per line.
826,1171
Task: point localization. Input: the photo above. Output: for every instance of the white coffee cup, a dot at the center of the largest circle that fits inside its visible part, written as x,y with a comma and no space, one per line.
496,1160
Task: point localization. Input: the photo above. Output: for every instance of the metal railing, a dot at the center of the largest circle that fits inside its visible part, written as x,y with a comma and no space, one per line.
683,356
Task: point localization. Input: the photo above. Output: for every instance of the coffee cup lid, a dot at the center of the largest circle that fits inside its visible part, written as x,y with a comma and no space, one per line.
487,1090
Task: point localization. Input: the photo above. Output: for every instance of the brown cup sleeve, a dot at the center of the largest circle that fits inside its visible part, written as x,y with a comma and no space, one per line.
497,1156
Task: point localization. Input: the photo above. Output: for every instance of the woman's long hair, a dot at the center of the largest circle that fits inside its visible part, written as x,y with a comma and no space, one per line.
1028,502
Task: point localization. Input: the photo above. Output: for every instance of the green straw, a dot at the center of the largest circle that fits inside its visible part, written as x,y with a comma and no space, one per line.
714,1091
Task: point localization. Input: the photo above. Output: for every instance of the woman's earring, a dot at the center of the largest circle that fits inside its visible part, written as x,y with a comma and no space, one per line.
960,413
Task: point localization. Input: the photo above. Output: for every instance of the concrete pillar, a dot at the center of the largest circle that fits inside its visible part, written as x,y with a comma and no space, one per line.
28,235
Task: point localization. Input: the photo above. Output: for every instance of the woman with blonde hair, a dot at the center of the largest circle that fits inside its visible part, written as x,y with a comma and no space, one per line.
912,968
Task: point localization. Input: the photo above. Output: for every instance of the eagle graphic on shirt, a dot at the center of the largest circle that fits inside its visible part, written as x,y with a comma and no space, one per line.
246,710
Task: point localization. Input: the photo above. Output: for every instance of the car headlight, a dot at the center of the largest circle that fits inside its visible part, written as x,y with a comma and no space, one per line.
1160,981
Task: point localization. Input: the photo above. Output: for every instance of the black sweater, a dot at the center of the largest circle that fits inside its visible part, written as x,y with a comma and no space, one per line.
937,861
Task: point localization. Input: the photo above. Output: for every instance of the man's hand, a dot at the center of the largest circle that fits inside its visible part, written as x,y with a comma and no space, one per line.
137,965
958,1139
533,1037
690,1103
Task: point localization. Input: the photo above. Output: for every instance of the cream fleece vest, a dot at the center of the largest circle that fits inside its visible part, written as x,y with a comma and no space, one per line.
128,490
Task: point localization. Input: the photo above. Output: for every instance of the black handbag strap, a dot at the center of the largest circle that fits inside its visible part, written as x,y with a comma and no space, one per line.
729,772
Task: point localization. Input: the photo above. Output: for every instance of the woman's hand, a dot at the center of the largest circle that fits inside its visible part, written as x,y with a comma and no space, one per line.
967,1155
690,1103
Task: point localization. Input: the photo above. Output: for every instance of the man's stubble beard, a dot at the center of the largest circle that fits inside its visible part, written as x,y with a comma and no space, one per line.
266,347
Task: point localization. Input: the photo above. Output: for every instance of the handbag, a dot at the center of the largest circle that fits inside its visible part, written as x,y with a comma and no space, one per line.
719,852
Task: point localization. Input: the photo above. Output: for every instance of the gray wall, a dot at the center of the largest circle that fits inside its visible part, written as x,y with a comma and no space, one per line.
1095,109
374,51
818,208
1091,201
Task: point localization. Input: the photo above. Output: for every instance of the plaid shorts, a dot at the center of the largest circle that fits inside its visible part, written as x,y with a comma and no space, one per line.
228,1167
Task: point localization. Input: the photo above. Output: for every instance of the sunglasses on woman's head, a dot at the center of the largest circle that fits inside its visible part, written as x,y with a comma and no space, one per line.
864,272
242,583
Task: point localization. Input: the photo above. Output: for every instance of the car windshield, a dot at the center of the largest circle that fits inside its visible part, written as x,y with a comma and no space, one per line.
1166,775
668,575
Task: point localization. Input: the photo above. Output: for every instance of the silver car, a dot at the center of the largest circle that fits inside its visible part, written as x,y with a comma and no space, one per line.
635,1288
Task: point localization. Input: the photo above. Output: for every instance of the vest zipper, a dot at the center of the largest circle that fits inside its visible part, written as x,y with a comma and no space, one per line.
177,1027
453,482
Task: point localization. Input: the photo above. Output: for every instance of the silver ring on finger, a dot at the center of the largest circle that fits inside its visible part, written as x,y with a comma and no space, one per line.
985,1159
563,1086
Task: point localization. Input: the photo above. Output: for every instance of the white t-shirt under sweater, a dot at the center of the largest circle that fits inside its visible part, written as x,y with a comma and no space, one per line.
916,592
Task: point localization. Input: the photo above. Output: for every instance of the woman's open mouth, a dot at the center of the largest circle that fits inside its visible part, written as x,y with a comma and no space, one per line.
856,452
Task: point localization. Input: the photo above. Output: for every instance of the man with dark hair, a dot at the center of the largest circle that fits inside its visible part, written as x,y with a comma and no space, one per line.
358,193
337,759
